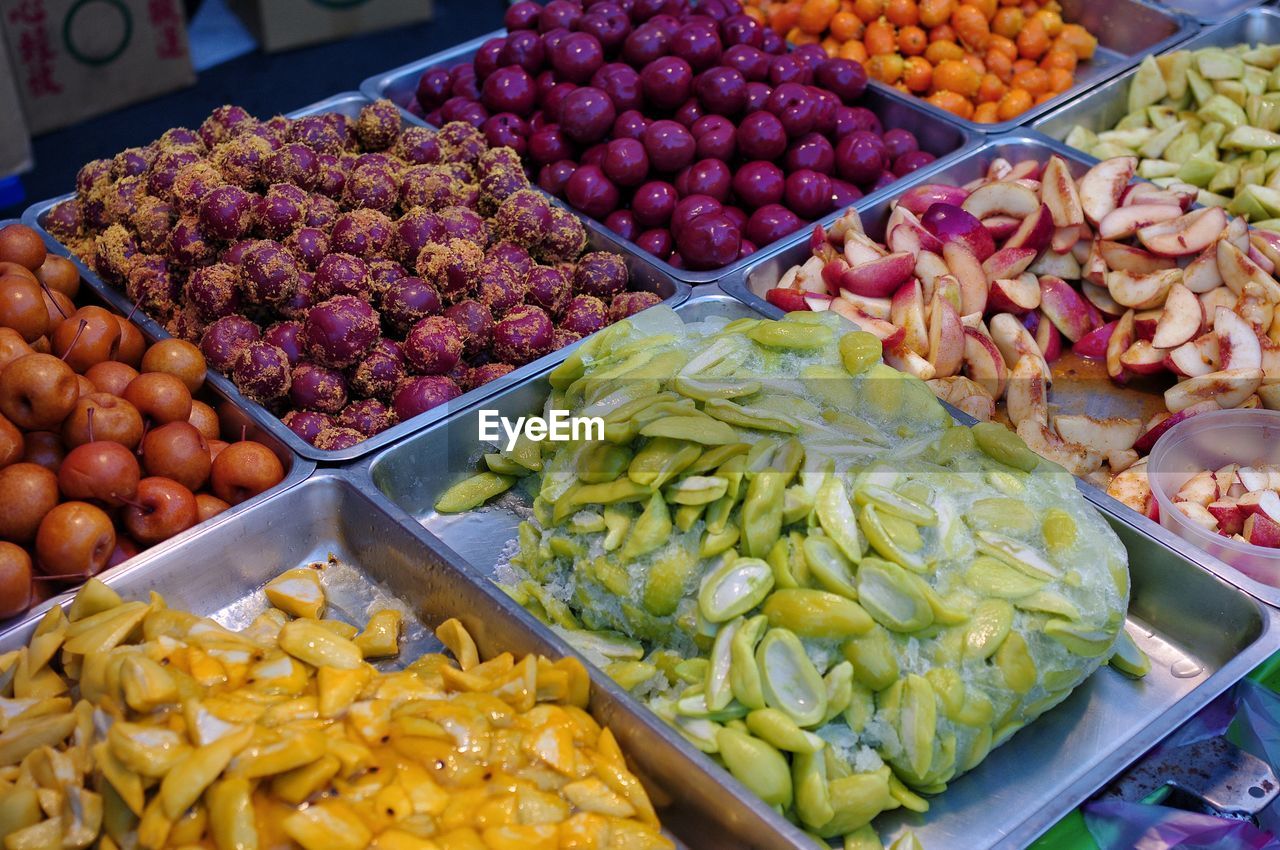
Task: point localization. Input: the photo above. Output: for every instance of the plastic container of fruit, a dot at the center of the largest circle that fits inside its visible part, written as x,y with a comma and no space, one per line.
935,134
1127,30
1101,108
297,469
1212,441
644,271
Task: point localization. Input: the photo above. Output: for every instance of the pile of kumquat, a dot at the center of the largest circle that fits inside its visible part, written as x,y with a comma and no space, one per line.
984,60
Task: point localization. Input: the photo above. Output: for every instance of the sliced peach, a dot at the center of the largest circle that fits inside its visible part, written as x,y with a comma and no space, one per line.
1142,292
1180,319
786,299
879,278
859,249
1201,488
1156,429
968,272
1058,191
1262,260
888,333
1050,262
905,360
906,310
918,199
1093,345
833,272
810,278
1238,271
960,392
1120,341
1144,324
904,238
1229,515
1195,358
1269,394
1238,345
946,337
1108,435
1094,268
1001,198
1226,387
1035,231
1262,531
1176,194
930,266
984,362
1120,461
849,222
1044,441
1124,222
1025,169
1008,262
1257,312
1198,514
1267,243
1015,342
1121,257
1221,297
1048,339
1026,397
1100,298
1102,186
878,308
1142,358
1201,274
818,303
1237,233
1132,489
1064,306
1017,295
1188,234
1001,227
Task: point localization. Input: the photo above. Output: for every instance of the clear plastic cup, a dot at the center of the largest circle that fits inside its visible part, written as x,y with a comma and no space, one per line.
1211,441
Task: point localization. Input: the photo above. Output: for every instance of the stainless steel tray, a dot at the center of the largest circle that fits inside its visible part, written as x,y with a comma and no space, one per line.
1077,387
643,268
384,559
296,468
1209,12
1102,108
938,136
1127,30
1202,634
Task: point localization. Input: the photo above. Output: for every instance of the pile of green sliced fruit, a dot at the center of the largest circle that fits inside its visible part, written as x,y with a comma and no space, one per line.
1210,118
794,556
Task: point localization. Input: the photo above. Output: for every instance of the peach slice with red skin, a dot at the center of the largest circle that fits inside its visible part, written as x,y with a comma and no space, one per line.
1121,257
1227,388
878,308
1101,299
879,278
1044,441
1002,226
1267,243
809,277
1003,197
1142,358
1103,435
918,199
929,267
1175,194
1157,428
1262,260
1026,397
1063,265
1102,186
1132,489
1035,231
967,270
1120,341
1058,191
906,238
1008,262
906,310
1188,234
1230,516
1093,345
1180,320
786,299
905,360
1123,222
1238,271
946,337
888,333
1262,531
1201,488
848,222
1238,345
1141,292
1015,342
1018,295
984,362
1201,275
860,249
1064,306
1237,233
1197,514
1094,268
1144,324
1048,339
1064,239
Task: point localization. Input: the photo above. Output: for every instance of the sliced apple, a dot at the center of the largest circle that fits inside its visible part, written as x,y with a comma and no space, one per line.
1257,312
1141,292
1237,233
1197,514
1195,358
860,249
906,310
1002,197
1188,234
1008,262
1035,231
1015,342
1142,358
788,279
946,338
905,360
1201,488
1053,263
1132,489
1229,515
1001,227
786,299
984,362
1180,320
1156,429
1238,271
1261,531
1226,387
1064,239
1015,295
1221,297
1142,193
1058,191
1048,339
1100,298
1075,458
879,308
1238,346
1120,341
1121,257
1026,397
962,393
1123,222
1025,169
1064,306
879,278
833,272
918,199
849,222
810,278
1102,186
968,272
930,266
1093,345
1144,324
1107,435
908,228
888,333
1253,479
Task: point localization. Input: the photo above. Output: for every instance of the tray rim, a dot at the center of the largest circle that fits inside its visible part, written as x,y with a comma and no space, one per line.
1151,733
375,87
259,414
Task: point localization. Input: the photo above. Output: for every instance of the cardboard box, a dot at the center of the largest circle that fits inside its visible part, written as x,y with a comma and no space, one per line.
74,59
285,24
15,142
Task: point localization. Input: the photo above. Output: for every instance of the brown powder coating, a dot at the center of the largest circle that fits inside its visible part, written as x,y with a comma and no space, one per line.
185,325
211,289
114,251
434,345
240,159
417,145
501,286
626,304
337,438
460,142
523,219
65,219
371,186
382,273
261,371
91,173
188,244
482,375
324,388
181,139
585,314
432,187
499,183
601,274
377,375
476,323
451,267
368,416
271,272
378,125
565,240
191,184
220,122
151,221
561,337
363,232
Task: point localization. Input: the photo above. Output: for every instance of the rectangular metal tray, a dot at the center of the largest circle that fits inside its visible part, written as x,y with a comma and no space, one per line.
643,268
1102,108
936,135
1127,30
296,469
1209,12
389,562
1077,388
1185,618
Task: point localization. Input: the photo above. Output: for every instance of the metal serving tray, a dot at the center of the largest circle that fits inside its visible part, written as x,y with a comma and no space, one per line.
1201,633
1209,12
1102,108
643,268
1127,30
1077,388
937,136
296,469
383,561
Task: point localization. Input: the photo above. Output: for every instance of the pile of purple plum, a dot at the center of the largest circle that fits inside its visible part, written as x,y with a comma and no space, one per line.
686,129
347,273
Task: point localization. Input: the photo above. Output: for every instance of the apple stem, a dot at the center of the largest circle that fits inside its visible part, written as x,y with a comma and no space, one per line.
244,433
84,323
146,426
89,418
48,291
67,577
136,505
